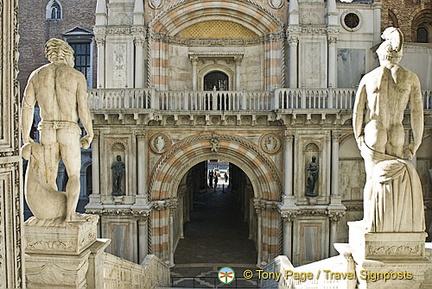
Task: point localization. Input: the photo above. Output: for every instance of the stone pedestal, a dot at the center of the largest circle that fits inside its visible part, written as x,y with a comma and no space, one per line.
390,260
386,245
57,254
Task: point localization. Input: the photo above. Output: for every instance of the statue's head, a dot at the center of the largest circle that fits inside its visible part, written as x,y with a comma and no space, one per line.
313,158
57,50
390,51
118,158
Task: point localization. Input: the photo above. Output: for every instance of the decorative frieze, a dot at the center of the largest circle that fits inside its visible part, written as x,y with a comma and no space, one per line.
120,212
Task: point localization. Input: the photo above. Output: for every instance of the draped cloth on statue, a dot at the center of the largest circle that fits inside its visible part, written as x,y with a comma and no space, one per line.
393,194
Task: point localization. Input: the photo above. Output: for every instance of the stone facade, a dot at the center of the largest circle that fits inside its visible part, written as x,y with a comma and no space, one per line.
291,69
407,15
36,29
11,199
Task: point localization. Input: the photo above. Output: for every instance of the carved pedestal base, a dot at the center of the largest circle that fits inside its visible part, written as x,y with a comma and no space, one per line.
390,260
379,246
57,254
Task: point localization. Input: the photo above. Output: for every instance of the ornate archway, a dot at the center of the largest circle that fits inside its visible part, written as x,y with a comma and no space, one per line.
259,22
260,169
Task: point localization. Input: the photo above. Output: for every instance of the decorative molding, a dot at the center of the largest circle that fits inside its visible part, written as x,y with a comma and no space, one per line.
50,245
118,30
395,250
265,205
162,205
335,216
120,212
288,216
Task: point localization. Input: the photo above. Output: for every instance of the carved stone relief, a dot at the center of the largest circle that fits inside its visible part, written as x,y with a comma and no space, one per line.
119,65
156,4
159,143
275,4
271,143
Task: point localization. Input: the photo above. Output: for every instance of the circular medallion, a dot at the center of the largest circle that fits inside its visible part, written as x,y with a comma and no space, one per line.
159,143
271,143
351,20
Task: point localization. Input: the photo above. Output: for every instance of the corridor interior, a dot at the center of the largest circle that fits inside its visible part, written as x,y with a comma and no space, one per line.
217,234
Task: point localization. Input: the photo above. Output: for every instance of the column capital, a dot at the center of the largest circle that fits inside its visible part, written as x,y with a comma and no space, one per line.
335,216
140,135
336,135
288,216
289,135
194,59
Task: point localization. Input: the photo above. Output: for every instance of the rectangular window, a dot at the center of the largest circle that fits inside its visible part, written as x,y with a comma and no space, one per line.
83,59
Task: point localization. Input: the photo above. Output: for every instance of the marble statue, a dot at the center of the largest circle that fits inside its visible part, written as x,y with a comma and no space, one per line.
313,177
118,173
61,93
393,199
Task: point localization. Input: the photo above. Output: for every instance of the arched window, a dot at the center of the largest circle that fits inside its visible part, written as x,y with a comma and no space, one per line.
216,80
421,26
53,10
422,35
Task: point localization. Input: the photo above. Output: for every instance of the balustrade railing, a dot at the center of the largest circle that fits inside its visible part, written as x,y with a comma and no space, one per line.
279,99
118,273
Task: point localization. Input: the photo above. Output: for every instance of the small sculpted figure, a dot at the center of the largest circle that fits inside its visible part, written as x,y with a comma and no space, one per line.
393,199
118,173
61,93
313,177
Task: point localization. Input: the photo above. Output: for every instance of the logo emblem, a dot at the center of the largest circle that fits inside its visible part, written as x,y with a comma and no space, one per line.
226,275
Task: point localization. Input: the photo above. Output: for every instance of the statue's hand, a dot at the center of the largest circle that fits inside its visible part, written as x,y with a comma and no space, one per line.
86,141
409,151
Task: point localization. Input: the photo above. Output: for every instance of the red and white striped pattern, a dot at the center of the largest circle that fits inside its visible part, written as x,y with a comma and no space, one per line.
182,14
246,155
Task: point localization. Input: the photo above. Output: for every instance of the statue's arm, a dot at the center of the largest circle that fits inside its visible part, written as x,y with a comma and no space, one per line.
84,112
27,113
358,112
417,116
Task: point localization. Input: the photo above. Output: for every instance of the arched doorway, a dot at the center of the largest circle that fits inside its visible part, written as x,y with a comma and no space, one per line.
170,169
216,222
216,80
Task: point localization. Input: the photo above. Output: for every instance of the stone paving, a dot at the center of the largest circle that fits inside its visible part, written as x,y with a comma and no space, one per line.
215,237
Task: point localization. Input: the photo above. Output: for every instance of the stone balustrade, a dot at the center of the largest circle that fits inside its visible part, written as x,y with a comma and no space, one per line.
279,99
119,273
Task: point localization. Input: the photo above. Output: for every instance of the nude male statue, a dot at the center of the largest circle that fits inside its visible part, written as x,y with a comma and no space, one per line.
385,93
61,93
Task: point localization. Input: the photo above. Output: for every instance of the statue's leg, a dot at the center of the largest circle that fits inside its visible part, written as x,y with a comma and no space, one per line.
71,156
51,155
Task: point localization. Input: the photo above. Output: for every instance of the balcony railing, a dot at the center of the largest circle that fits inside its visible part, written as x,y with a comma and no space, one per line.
279,99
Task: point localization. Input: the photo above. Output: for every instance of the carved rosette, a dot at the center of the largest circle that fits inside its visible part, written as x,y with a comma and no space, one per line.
159,143
270,143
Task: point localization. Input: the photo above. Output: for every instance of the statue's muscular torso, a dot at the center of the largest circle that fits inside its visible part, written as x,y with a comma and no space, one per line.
55,89
388,92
